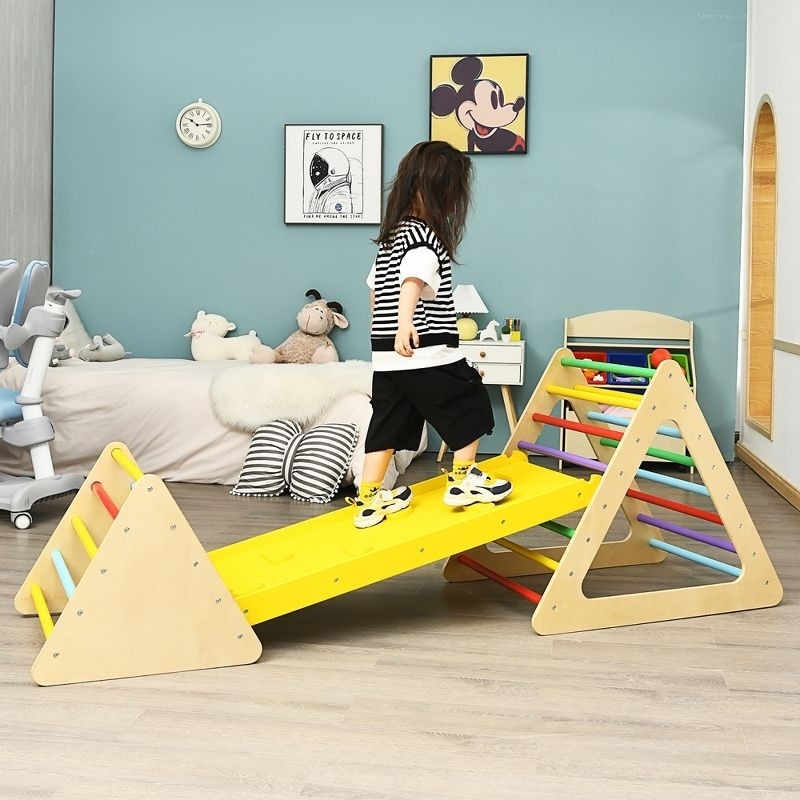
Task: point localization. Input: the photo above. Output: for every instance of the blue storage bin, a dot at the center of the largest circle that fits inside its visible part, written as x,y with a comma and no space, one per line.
628,360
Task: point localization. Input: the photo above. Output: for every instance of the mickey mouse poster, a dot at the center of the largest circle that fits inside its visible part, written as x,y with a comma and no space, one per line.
479,103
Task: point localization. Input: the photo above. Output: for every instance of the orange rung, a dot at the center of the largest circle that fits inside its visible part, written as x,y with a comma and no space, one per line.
103,496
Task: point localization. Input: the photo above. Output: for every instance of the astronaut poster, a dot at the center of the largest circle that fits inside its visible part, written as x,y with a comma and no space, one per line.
333,174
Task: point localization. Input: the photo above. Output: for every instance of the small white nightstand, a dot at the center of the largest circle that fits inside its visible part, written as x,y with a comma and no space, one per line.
500,364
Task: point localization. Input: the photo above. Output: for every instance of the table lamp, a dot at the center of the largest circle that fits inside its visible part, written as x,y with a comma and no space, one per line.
467,301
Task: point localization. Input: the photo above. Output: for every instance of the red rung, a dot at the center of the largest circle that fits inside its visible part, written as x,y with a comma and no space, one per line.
103,496
594,430
522,591
654,500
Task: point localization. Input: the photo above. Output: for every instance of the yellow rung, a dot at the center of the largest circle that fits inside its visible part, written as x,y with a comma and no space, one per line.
42,610
603,396
531,555
128,464
79,526
615,393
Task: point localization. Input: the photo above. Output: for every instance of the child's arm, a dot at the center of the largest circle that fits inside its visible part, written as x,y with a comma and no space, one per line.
407,338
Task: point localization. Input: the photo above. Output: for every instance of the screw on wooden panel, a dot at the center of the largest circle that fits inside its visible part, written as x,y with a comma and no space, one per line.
80,612
173,527
422,549
103,571
219,600
240,636
195,563
149,488
336,580
56,655
126,529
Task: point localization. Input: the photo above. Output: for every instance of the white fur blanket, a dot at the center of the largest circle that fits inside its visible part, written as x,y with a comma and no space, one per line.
251,395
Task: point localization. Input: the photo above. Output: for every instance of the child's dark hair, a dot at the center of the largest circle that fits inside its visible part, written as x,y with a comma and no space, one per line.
434,179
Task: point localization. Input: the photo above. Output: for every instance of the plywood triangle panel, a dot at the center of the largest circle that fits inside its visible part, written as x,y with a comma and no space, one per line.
149,602
564,605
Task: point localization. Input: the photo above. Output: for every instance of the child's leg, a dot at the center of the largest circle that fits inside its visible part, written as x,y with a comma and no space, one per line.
463,459
374,502
468,484
373,473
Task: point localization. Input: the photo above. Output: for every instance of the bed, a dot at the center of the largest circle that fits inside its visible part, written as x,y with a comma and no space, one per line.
192,421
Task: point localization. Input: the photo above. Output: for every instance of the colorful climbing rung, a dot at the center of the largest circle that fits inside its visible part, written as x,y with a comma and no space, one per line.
85,538
127,463
720,566
63,573
607,396
104,497
42,611
517,588
531,555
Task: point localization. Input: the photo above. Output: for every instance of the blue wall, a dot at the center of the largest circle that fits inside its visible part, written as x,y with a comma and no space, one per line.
630,196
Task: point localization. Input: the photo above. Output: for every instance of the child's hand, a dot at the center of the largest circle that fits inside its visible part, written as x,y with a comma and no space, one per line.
406,340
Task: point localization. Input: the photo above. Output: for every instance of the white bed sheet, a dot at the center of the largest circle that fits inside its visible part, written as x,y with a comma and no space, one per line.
160,409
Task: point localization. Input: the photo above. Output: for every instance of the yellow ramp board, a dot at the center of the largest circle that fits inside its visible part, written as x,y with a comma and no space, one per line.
311,561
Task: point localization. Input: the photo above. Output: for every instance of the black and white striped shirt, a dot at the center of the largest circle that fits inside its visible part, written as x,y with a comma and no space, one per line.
434,316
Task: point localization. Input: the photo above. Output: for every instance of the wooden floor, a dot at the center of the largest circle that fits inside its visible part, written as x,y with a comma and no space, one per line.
415,689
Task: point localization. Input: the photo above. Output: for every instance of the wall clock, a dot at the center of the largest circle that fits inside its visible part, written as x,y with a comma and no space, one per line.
198,124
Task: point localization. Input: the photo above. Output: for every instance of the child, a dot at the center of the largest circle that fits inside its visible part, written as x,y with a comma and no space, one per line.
419,374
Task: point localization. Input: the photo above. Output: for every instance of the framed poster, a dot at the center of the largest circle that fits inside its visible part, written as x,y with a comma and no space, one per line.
333,174
479,104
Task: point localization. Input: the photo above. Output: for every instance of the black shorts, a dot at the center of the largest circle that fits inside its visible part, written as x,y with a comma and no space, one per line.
451,397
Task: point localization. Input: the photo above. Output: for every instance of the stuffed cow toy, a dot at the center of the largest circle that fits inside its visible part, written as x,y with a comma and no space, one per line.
310,343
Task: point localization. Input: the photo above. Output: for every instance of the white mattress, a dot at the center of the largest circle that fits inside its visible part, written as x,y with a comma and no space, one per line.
160,409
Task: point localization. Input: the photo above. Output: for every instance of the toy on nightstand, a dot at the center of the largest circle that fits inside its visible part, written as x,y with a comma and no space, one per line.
490,331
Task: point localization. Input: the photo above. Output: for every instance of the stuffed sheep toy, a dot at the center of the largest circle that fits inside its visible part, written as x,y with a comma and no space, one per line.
310,343
211,343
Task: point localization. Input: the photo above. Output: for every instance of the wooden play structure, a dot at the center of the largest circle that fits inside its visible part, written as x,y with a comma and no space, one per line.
667,407
136,593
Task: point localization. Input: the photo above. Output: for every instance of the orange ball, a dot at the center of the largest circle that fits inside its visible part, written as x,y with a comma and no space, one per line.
658,355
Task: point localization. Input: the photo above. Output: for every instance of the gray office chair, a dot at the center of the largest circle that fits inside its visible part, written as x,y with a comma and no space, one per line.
31,317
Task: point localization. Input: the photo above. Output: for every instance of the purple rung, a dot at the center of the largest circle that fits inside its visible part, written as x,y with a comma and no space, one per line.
572,458
689,533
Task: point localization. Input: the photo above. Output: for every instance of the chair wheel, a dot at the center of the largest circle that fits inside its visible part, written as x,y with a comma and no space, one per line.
22,521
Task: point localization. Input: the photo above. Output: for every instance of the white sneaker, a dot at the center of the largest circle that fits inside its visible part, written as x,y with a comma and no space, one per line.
386,501
476,487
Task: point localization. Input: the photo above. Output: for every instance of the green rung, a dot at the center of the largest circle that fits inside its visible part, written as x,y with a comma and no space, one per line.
607,366
656,452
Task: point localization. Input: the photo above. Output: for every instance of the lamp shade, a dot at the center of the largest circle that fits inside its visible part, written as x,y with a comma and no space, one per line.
467,300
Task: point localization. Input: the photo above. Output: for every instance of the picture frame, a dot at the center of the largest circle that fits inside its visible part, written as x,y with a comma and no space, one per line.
333,174
480,103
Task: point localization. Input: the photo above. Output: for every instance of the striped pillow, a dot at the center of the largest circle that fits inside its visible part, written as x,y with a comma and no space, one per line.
310,465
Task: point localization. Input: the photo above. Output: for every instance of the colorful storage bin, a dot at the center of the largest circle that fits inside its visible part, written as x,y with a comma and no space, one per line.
682,360
628,360
592,375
